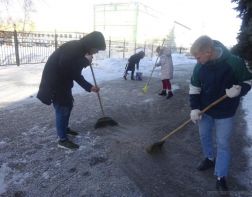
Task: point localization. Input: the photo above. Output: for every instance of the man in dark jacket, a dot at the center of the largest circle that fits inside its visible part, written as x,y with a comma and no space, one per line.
64,66
133,60
218,72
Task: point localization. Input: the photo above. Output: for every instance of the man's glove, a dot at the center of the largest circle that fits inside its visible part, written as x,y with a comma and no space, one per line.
195,115
234,91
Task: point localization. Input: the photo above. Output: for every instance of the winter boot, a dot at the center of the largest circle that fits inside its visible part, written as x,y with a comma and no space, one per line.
67,144
222,187
162,93
125,77
72,132
170,94
206,164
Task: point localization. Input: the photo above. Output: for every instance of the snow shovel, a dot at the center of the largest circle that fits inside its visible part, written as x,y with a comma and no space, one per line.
158,145
145,88
104,121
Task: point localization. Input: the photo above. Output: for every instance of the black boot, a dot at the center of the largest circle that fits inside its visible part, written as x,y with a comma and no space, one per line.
206,164
162,93
125,77
170,94
222,187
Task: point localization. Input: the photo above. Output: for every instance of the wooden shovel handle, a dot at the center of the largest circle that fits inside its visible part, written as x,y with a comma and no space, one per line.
189,120
98,94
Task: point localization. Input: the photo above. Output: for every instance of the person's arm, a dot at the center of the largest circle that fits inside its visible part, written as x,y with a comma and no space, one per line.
78,77
194,93
161,61
242,75
195,89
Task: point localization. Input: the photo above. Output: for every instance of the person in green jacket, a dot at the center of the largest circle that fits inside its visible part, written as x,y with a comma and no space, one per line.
217,72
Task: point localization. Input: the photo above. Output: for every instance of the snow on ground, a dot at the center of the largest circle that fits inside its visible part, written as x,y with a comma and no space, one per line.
247,106
20,84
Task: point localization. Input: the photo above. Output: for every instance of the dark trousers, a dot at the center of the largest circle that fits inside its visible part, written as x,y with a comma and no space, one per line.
129,68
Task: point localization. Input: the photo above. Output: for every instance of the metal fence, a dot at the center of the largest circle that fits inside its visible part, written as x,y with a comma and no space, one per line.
35,47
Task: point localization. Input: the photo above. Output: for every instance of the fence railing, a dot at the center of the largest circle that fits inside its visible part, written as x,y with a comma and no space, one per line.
35,47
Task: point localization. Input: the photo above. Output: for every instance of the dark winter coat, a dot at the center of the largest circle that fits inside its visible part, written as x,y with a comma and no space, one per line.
64,66
209,81
134,60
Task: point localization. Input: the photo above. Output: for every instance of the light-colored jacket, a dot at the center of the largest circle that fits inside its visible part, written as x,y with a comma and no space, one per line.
166,63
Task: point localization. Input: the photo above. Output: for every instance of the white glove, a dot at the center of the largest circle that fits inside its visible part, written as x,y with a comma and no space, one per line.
234,91
195,115
89,57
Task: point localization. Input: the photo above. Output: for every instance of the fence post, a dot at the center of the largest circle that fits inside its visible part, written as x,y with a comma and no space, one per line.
55,40
109,46
123,48
16,47
144,46
135,46
152,46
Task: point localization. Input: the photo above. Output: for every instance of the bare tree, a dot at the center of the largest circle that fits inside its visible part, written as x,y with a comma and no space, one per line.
4,21
7,19
28,9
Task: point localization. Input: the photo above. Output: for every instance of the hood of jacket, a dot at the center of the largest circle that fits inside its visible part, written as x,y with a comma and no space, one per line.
93,40
77,48
225,52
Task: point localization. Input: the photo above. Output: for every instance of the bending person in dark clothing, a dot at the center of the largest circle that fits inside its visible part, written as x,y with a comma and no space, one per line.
63,67
133,60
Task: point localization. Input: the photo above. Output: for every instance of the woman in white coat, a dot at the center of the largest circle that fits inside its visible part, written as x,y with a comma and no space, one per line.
166,64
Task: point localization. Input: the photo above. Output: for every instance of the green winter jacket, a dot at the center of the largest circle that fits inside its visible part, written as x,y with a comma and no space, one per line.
210,80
